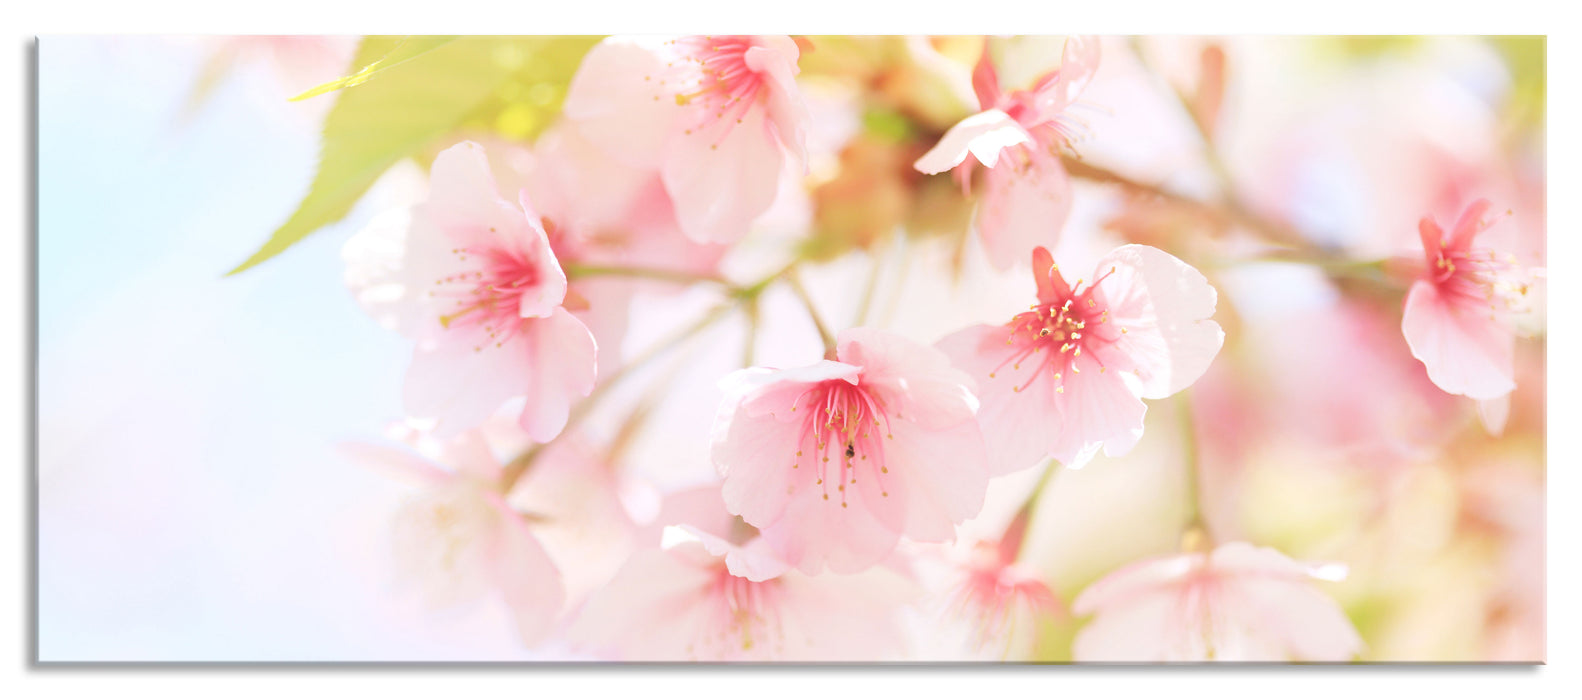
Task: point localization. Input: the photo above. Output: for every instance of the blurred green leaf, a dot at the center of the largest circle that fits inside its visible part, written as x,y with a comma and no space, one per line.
415,102
405,50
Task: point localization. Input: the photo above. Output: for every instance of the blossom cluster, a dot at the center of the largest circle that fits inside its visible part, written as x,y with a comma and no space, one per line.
897,480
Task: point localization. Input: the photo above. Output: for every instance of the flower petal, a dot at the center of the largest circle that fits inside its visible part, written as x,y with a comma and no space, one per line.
776,58
464,202
919,380
528,580
459,384
1164,304
1023,208
945,472
391,267
563,366
1097,409
618,99
1465,351
815,534
652,610
550,290
754,454
721,178
1018,426
1493,414
1079,61
1141,631
983,135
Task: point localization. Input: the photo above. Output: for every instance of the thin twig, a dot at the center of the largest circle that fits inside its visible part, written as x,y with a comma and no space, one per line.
1194,468
869,290
577,271
812,312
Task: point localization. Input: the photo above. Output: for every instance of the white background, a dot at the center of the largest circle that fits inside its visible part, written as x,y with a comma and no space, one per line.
820,16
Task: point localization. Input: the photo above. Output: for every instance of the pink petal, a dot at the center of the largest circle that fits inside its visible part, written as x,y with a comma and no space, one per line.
527,578
1120,587
764,391
755,560
776,58
918,382
816,534
1493,414
1145,629
581,188
652,610
617,100
1023,208
464,202
945,473
563,367
391,267
1079,61
1164,304
1258,619
1465,351
459,383
1097,409
1469,224
1018,426
983,135
720,182
702,508
754,454
551,288
985,79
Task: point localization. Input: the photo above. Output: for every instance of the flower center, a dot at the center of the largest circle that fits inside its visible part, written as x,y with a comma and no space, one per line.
1479,276
848,423
723,87
487,298
993,599
744,610
437,535
1057,332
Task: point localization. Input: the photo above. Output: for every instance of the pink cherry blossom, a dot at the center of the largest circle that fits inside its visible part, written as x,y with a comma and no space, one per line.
473,279
458,540
1068,376
836,461
1236,603
715,116
1458,316
1003,601
1018,136
713,591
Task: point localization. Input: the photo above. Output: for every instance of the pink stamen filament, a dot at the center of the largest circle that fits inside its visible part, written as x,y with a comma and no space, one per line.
845,419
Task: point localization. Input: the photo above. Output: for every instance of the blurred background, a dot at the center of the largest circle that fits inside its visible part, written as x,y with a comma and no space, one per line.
192,505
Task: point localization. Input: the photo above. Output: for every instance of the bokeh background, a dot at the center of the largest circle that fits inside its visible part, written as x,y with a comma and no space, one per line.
192,505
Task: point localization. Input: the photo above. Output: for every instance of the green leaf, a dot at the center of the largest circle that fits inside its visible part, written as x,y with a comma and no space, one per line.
405,50
415,103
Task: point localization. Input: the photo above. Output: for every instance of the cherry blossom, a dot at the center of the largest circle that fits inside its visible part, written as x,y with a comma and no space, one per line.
1002,600
715,116
712,591
836,461
1068,376
457,539
1018,136
472,278
1236,603
1459,316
